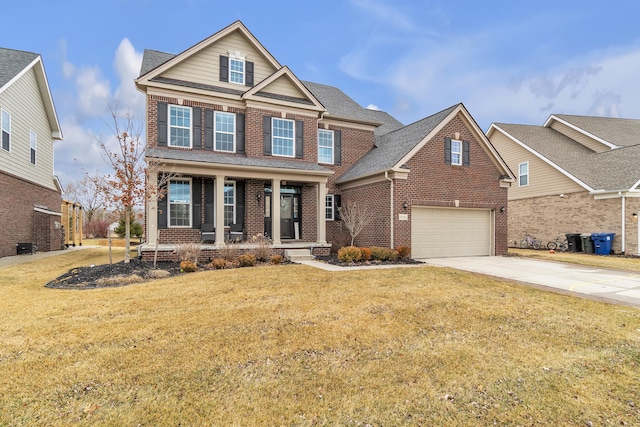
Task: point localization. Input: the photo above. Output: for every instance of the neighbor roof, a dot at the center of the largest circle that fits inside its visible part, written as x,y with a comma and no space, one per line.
12,62
615,169
620,132
393,146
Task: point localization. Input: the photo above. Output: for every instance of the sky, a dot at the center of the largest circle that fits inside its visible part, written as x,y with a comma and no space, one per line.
506,61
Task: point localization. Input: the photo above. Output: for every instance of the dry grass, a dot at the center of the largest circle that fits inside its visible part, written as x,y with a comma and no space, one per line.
292,345
614,262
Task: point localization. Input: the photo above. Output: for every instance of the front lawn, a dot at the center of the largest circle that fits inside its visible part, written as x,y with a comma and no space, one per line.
294,345
616,262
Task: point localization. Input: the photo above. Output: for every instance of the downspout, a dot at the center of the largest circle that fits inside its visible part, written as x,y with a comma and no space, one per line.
386,175
624,231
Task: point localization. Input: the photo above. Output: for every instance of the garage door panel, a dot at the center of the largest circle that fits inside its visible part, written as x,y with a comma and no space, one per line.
441,232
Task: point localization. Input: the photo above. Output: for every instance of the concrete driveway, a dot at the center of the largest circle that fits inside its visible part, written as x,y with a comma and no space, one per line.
612,285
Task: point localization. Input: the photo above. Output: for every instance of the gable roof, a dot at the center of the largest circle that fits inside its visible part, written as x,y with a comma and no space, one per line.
616,131
13,64
396,147
613,170
260,90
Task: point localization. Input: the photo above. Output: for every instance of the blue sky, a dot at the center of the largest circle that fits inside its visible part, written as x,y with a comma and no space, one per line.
507,61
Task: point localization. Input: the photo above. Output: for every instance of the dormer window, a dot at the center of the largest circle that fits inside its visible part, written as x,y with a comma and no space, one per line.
236,70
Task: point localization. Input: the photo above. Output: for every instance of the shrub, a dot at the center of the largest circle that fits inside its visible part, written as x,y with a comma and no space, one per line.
403,251
135,229
189,252
277,259
382,254
188,266
349,254
263,249
157,274
339,240
231,263
230,251
247,260
96,228
217,263
365,254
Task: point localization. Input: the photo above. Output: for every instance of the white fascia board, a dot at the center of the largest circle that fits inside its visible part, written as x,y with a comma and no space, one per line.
541,157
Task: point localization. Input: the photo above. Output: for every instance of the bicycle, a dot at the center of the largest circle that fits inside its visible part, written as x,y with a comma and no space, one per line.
529,242
559,244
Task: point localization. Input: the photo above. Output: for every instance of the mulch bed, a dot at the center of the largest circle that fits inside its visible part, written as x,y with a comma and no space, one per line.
333,259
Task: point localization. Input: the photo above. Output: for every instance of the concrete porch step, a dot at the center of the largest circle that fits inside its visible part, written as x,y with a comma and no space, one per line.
296,255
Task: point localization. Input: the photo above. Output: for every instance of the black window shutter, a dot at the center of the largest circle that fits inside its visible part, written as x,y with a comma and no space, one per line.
196,197
240,133
337,147
197,128
240,203
162,124
162,211
208,201
447,151
224,68
337,203
465,153
208,130
266,129
299,139
248,76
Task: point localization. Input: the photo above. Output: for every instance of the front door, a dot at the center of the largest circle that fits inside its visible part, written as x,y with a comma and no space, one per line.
289,216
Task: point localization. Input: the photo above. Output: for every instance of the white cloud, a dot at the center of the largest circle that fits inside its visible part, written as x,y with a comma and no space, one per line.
127,66
388,13
94,92
373,107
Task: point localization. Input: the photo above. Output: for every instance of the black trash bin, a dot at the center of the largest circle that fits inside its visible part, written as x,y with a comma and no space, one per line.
574,242
587,243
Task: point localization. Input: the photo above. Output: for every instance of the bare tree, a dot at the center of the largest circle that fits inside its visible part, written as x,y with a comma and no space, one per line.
88,192
355,218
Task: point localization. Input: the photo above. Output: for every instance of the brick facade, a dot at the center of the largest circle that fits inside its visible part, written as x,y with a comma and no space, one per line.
549,216
21,223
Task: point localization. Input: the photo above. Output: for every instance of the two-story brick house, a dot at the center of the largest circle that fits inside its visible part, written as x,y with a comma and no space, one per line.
30,194
254,150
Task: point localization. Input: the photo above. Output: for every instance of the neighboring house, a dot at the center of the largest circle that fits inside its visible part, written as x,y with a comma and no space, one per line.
576,174
30,199
254,150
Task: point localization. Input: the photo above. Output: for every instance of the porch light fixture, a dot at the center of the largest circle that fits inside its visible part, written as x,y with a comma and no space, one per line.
259,196
634,216
405,205
502,209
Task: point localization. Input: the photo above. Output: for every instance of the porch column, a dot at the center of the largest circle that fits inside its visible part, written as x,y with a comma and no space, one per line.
219,208
322,223
275,215
152,211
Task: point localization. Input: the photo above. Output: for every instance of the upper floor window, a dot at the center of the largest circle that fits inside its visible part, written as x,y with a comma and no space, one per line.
6,130
179,126
523,174
180,203
236,70
282,137
456,152
225,131
33,144
325,146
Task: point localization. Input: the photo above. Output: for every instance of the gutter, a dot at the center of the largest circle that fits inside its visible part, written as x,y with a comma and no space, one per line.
386,175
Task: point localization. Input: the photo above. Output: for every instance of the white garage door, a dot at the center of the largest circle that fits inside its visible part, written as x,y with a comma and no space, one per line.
443,232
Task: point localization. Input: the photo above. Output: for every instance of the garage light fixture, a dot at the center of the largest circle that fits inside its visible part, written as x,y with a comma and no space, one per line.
502,209
405,205
634,216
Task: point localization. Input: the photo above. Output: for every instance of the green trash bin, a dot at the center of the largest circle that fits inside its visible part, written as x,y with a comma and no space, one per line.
587,243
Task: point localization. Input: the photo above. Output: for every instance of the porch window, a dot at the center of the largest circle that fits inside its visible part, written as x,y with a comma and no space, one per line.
6,130
179,126
325,146
225,131
180,203
33,143
329,208
236,70
523,174
282,137
229,203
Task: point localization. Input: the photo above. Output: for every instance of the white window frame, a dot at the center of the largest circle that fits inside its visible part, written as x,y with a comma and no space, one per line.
170,126
33,146
331,148
242,73
456,152
190,203
520,174
329,206
4,127
293,137
216,131
234,205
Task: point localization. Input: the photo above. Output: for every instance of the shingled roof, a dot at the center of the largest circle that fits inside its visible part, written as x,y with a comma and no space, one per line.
612,170
12,62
